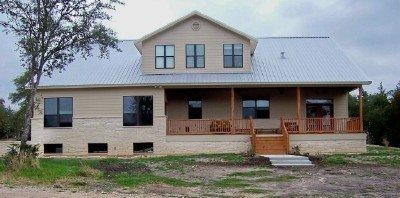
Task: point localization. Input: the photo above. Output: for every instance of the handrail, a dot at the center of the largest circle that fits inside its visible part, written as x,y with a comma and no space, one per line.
285,135
208,126
322,125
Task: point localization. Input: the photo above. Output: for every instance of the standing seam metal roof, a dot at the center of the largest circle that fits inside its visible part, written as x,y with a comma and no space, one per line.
309,60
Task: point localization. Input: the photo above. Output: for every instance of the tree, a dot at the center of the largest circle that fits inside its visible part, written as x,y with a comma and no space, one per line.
51,33
376,115
353,106
394,116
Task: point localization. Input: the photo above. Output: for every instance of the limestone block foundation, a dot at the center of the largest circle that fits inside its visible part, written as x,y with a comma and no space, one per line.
329,143
120,138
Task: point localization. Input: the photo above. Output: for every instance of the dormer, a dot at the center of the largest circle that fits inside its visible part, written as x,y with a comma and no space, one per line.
196,43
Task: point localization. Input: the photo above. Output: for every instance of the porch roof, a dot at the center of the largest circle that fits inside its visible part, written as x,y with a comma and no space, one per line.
308,61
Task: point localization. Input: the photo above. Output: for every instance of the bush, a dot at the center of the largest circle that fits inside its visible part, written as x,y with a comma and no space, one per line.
21,155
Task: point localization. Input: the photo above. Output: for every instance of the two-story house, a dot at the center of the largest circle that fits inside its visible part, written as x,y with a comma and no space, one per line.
198,85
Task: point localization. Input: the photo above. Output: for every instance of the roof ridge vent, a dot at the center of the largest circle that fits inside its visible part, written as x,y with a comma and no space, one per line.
283,55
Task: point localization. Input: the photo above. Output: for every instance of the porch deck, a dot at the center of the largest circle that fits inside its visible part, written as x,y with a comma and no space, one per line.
261,143
245,126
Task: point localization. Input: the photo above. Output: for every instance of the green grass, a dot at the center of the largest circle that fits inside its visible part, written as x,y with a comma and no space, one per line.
375,155
255,173
335,160
125,172
51,170
231,183
128,180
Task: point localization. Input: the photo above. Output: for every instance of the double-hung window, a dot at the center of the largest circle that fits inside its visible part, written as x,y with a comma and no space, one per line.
138,111
58,112
257,109
165,56
195,56
233,55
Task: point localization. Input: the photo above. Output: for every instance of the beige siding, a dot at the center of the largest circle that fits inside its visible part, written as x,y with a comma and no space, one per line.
102,102
216,102
209,34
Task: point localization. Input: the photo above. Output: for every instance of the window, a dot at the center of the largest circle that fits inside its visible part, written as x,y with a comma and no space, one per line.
256,108
165,57
58,112
233,55
53,148
317,108
138,110
97,148
195,111
143,147
195,56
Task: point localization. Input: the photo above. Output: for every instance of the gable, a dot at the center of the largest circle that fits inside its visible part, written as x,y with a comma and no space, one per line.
205,19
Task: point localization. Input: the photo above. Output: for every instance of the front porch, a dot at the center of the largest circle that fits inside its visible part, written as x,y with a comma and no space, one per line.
223,112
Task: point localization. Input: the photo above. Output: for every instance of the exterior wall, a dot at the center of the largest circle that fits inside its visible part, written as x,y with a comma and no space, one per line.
216,102
97,118
329,143
212,36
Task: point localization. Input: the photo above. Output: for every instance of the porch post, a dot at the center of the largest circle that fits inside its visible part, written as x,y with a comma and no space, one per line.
298,99
360,107
232,109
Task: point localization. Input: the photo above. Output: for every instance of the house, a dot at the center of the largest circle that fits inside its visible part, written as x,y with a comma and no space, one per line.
198,85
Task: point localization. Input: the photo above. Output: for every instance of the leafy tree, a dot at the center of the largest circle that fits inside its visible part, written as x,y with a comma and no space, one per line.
51,33
353,106
376,115
394,118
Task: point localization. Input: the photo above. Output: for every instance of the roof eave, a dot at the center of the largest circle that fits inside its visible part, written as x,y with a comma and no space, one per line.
277,84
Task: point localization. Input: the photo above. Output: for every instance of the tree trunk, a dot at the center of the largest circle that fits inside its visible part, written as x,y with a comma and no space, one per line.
27,119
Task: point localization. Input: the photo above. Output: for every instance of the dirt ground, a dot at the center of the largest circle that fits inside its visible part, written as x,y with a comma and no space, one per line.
317,181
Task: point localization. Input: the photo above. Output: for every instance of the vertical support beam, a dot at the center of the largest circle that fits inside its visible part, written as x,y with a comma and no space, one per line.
361,107
232,110
298,99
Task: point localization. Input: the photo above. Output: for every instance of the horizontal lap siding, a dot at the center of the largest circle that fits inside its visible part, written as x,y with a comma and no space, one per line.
102,102
209,34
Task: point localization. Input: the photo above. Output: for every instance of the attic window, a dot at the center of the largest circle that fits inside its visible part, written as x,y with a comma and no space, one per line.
233,55
165,56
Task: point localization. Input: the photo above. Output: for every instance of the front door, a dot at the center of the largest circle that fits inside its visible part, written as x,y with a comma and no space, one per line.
322,111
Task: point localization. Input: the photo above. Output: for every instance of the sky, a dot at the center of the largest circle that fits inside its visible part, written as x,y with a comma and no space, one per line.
368,31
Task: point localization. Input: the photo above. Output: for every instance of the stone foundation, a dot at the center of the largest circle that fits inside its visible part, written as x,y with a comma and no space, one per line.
329,143
120,139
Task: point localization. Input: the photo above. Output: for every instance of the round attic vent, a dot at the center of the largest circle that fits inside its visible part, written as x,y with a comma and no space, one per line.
196,26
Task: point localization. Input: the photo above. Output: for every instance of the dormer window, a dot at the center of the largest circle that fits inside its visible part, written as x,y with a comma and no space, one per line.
233,55
195,55
165,57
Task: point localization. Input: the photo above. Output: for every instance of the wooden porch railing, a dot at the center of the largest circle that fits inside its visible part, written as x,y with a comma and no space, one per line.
285,136
322,125
208,126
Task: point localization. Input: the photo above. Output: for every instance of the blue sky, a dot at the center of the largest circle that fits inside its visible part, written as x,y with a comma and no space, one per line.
366,30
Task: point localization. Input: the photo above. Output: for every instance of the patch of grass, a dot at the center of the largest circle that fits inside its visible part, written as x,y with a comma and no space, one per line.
255,173
2,165
254,191
281,178
377,155
128,180
231,183
50,170
335,160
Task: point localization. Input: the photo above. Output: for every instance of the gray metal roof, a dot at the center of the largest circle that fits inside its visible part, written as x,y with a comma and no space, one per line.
309,60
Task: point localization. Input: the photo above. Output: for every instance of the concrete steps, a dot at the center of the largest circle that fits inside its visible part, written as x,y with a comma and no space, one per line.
288,160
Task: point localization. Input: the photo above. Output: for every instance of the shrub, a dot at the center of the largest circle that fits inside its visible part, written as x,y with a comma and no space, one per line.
21,155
